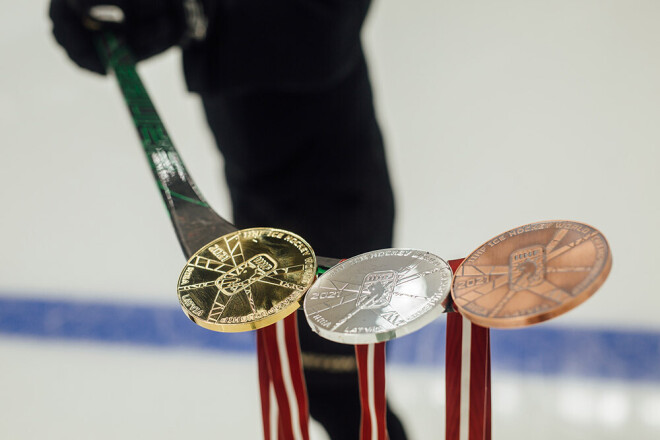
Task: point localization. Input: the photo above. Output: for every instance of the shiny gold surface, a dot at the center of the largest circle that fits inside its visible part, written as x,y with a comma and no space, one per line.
246,280
531,274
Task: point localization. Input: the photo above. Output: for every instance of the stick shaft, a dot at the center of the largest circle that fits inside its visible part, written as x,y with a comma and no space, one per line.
195,223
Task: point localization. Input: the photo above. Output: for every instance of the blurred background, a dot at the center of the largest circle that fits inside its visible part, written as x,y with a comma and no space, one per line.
495,114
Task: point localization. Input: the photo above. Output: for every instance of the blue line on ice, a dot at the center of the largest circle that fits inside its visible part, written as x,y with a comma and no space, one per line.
544,349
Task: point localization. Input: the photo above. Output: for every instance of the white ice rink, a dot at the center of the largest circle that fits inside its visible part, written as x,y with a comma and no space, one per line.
495,114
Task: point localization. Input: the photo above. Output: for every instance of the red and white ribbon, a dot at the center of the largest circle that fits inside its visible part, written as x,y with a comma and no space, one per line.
371,371
467,377
284,406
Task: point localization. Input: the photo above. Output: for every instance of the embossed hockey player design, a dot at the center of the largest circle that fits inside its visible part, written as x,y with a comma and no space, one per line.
240,278
376,296
527,267
532,273
245,274
377,289
375,293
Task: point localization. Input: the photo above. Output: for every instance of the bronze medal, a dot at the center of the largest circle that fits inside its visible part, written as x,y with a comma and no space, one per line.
246,280
531,274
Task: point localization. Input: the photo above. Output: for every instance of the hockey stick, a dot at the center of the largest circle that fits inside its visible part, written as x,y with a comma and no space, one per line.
194,221
196,224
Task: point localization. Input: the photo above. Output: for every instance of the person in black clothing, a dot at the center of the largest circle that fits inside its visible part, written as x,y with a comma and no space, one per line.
287,95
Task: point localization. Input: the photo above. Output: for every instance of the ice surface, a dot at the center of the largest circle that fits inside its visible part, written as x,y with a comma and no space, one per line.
495,114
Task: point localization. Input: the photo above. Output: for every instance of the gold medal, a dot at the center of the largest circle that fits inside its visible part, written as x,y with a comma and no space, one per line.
246,280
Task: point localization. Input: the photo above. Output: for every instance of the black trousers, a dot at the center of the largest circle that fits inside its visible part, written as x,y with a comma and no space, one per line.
312,162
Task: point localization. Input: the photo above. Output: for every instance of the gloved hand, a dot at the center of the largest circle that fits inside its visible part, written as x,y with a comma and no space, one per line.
148,26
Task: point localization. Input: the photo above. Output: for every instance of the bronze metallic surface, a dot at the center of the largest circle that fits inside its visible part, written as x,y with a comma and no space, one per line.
246,280
531,274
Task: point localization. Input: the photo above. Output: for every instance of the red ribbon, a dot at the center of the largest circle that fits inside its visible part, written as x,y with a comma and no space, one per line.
467,378
284,406
371,373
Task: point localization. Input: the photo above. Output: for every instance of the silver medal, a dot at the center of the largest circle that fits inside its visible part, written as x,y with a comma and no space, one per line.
378,296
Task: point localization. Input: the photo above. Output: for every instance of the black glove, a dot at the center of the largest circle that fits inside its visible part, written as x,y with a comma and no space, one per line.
148,26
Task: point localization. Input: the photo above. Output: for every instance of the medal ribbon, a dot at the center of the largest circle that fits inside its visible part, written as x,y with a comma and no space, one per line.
467,378
371,373
265,388
284,406
371,377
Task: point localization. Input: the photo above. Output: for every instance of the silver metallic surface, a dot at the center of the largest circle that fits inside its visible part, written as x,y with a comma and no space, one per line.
378,296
